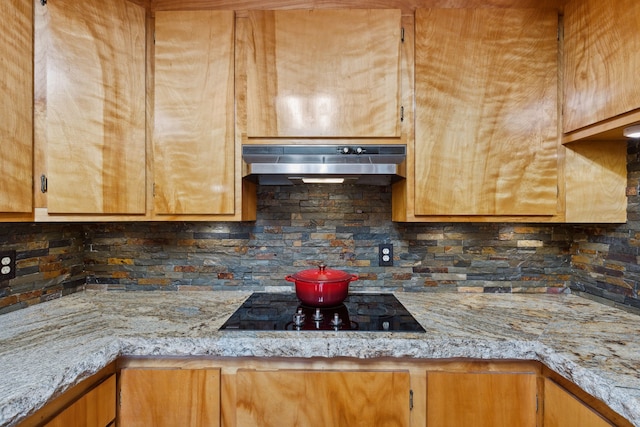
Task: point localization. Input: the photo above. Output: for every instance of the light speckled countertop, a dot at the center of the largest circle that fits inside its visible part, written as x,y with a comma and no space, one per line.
46,348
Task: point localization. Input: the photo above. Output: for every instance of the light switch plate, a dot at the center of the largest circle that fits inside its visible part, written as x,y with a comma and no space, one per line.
7,265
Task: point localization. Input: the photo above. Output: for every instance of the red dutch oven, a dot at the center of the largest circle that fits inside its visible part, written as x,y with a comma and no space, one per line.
321,287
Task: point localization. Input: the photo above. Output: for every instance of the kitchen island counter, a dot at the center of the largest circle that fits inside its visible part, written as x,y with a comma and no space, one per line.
47,348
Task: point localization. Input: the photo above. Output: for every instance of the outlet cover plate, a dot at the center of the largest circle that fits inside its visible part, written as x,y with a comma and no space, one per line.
385,254
7,265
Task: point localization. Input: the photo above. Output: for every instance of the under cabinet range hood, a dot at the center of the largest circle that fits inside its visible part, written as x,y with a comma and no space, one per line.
306,164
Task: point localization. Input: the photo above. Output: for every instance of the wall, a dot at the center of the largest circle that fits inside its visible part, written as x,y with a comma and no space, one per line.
341,225
300,226
49,263
605,258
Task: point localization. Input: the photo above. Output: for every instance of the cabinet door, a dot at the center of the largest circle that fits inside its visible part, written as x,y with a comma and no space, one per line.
601,60
562,409
323,73
193,138
486,139
95,107
169,397
322,398
481,399
97,408
16,106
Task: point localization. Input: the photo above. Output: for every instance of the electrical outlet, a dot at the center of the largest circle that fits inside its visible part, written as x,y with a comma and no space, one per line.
7,265
385,255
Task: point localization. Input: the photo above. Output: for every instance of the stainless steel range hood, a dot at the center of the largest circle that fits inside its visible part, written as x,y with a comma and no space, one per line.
297,164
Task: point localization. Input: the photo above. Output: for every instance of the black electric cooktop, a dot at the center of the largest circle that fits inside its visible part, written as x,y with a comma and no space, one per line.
285,312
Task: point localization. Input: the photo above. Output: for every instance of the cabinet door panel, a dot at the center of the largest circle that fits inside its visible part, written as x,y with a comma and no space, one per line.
95,114
602,58
481,399
322,398
97,408
16,106
193,140
170,397
561,409
486,112
323,73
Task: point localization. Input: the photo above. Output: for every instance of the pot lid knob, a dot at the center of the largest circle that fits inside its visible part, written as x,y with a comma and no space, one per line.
322,266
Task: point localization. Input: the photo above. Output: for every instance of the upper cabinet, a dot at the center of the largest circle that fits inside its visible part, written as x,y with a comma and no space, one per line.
323,73
602,59
193,135
92,106
16,108
486,137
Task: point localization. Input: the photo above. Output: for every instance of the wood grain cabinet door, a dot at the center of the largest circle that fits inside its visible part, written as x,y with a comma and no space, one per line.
169,398
95,106
193,136
562,409
16,106
323,73
97,408
322,398
486,139
457,399
602,59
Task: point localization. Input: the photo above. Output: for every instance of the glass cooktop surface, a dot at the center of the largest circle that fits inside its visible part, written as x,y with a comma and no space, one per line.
285,312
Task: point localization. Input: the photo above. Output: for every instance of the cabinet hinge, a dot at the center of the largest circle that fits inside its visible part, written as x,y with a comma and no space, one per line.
43,183
410,400
402,35
402,113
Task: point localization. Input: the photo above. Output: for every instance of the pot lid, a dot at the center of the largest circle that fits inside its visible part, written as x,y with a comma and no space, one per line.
322,274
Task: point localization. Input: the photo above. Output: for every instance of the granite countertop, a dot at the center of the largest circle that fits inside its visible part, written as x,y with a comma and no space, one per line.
49,347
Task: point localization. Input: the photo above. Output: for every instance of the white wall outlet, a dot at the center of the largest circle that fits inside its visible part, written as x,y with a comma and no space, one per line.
385,254
7,265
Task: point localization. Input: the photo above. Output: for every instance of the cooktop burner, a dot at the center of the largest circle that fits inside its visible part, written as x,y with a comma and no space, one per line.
283,311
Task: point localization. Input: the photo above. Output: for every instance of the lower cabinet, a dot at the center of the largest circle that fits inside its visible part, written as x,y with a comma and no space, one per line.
457,399
320,392
320,398
169,397
97,408
563,409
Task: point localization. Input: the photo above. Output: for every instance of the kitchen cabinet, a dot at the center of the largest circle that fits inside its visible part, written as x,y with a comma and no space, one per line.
478,399
169,397
486,138
193,135
16,109
323,73
322,398
97,408
90,104
562,409
596,180
602,58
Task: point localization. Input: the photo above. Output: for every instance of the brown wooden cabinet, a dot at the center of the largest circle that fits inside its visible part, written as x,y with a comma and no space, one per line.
97,408
562,409
602,58
486,137
169,397
322,398
193,134
90,102
323,73
16,109
479,399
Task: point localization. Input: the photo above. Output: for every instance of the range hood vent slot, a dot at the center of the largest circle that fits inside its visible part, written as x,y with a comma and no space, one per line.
297,164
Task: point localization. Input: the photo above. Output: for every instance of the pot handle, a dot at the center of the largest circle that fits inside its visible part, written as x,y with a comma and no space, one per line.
289,278
353,278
